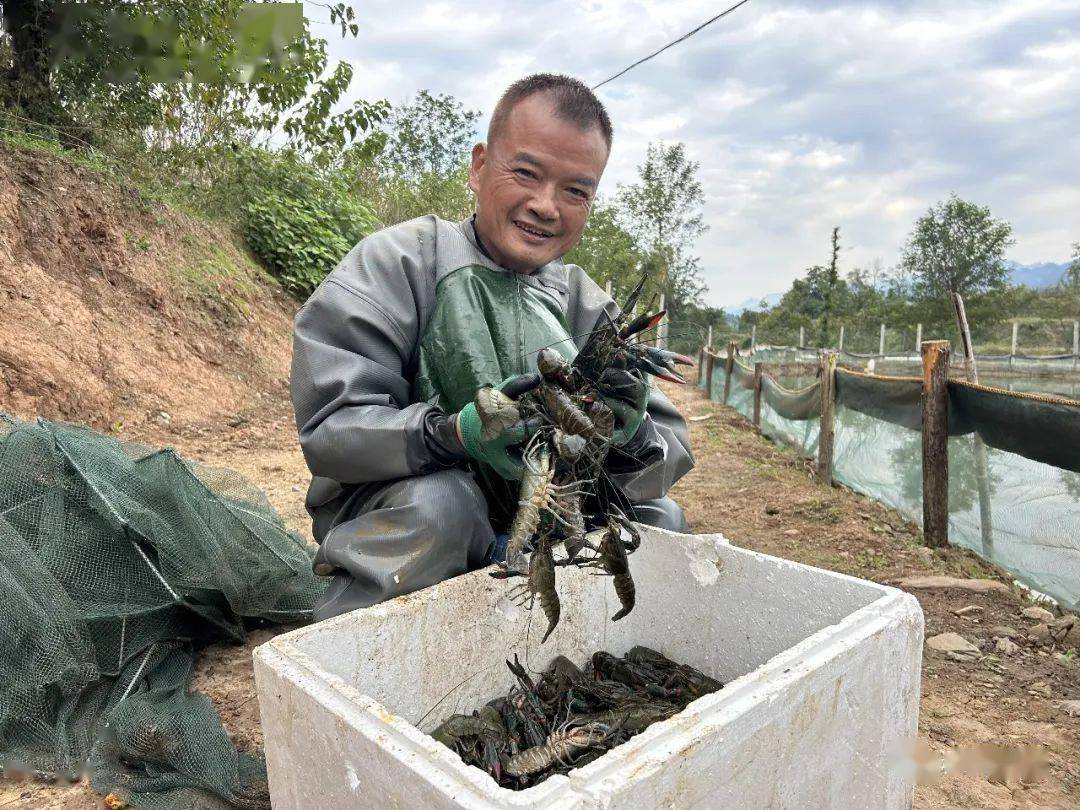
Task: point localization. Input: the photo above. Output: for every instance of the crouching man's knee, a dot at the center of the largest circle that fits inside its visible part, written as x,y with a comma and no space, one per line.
412,533
450,506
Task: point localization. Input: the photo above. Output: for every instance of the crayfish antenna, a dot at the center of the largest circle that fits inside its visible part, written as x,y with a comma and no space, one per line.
632,299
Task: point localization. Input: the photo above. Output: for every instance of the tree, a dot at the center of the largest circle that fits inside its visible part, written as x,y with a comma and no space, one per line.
430,135
26,61
1071,278
607,251
190,76
663,212
832,281
957,247
418,161
957,250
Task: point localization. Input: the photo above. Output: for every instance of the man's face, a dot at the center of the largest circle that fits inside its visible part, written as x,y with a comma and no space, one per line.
535,185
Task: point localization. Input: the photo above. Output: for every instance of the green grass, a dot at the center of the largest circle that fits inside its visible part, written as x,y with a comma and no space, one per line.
139,244
28,141
136,173
823,510
213,277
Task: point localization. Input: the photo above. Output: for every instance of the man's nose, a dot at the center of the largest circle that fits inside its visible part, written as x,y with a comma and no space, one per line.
543,205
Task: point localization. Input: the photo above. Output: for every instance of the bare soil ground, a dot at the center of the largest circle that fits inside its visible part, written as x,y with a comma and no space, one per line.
160,329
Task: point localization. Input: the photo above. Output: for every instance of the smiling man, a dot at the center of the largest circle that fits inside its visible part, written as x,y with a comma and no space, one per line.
391,349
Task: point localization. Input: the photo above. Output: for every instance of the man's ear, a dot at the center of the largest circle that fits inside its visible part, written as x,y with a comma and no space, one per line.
479,158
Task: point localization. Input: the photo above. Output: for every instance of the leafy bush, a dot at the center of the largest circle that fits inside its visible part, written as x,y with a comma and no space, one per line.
300,221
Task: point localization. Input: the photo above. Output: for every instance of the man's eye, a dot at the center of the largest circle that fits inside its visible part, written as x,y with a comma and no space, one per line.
577,192
525,173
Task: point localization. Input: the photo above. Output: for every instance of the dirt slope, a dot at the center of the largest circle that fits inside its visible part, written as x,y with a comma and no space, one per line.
119,313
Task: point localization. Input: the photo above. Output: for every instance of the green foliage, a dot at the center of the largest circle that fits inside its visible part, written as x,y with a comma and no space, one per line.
434,134
417,163
15,131
957,247
832,282
805,305
664,206
690,329
1071,279
608,251
181,115
395,198
191,118
663,212
212,278
301,222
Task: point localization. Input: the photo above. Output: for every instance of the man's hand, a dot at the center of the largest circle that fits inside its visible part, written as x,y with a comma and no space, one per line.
490,431
627,394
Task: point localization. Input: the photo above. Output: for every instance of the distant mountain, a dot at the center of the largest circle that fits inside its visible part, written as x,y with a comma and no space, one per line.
1038,276
771,300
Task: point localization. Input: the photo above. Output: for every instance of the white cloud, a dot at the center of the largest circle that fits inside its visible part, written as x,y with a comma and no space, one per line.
803,115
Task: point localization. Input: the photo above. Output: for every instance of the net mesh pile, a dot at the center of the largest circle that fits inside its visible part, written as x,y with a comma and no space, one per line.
1021,513
116,564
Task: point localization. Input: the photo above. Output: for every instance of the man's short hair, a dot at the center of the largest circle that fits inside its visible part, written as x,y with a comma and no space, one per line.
572,99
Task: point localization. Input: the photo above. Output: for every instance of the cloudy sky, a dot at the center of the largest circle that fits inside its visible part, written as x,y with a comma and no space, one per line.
803,115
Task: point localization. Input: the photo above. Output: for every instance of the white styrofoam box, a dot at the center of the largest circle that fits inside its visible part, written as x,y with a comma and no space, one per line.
821,695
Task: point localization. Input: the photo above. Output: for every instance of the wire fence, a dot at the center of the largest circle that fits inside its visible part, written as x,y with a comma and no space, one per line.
1016,347
1005,484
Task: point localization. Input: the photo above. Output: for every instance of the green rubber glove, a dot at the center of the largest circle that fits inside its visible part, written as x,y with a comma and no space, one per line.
627,394
499,453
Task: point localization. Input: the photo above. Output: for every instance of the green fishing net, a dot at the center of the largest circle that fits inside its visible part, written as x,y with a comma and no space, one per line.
117,563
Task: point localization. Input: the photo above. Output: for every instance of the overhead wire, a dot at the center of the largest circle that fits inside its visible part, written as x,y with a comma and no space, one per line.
672,44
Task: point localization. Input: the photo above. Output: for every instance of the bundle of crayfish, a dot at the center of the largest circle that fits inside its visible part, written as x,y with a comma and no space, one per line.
569,511
569,717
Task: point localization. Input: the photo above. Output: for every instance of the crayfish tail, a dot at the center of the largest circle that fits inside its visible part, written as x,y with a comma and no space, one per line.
624,612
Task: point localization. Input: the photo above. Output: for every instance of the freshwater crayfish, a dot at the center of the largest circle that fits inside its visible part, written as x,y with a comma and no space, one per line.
570,716
565,490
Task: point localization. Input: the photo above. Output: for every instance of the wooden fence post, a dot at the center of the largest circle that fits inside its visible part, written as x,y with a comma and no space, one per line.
827,377
918,337
701,365
757,394
970,371
607,288
935,442
753,338
881,342
982,476
802,336
1012,351
840,347
729,366
659,336
710,364
708,340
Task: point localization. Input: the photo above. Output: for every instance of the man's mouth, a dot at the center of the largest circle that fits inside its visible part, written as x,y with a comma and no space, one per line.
532,230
